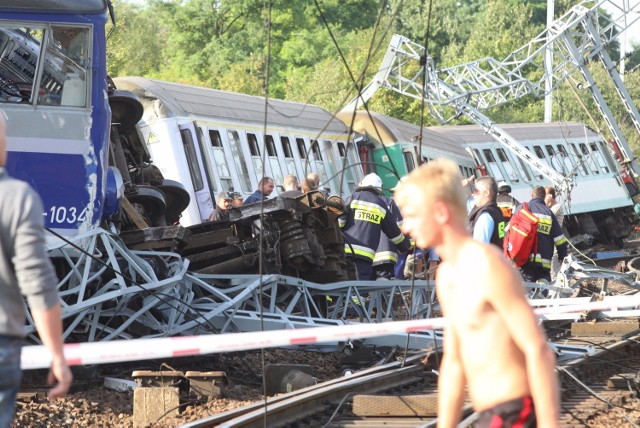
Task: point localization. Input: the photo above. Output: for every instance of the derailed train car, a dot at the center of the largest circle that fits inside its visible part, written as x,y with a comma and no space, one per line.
600,203
213,141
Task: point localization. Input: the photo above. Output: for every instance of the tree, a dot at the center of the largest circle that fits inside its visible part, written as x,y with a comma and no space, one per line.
135,44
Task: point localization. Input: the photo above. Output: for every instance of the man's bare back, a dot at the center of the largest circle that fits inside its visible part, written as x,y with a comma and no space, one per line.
491,360
492,343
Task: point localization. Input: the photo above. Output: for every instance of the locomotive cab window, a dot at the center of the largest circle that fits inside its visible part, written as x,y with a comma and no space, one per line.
60,75
598,158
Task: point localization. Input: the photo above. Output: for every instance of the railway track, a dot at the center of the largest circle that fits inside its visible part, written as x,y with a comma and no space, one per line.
597,390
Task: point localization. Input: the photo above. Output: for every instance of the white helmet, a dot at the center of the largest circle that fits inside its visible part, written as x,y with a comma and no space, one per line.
503,186
371,180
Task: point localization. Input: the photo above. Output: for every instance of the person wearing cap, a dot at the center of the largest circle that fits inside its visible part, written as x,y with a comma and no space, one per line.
265,188
238,200
221,213
505,201
365,218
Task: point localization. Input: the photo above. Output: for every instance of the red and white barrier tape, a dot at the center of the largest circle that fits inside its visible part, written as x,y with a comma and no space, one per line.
37,357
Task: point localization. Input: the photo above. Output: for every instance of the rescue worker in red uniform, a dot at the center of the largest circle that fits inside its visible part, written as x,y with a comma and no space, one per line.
366,217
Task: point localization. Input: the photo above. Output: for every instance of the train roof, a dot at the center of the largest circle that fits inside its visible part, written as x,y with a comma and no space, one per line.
392,130
522,132
198,102
76,6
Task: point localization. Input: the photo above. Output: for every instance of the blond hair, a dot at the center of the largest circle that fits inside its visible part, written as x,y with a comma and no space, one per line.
439,180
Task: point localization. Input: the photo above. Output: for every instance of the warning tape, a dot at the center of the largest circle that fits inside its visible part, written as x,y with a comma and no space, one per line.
38,357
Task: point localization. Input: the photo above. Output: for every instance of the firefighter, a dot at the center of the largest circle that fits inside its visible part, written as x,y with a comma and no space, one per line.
366,217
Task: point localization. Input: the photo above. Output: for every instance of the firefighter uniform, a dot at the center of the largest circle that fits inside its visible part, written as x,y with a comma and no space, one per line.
366,217
549,236
386,256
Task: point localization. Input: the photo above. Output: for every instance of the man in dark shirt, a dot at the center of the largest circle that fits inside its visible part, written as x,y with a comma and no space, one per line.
265,188
222,210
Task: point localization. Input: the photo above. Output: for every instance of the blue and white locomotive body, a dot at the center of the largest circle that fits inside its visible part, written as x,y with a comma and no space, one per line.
53,91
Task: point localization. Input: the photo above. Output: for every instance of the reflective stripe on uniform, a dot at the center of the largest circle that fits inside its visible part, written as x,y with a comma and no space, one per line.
546,263
386,256
359,250
559,240
398,239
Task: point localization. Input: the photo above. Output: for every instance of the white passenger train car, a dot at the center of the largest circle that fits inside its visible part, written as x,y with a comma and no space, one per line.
600,202
213,141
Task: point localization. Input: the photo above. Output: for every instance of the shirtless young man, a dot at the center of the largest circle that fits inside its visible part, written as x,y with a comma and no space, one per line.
492,342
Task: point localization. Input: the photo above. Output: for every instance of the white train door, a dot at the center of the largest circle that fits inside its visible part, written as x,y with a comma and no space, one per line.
196,171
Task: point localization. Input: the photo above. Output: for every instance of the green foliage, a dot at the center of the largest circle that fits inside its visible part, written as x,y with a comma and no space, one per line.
321,51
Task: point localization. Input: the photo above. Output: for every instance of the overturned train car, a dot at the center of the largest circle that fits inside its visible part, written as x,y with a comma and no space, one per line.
599,205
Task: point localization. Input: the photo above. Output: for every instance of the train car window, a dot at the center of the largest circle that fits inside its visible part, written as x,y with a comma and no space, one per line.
302,148
254,148
192,159
508,166
345,166
598,158
222,168
555,159
540,154
289,160
272,154
409,161
239,161
566,159
492,165
320,169
590,159
604,149
580,159
524,170
353,166
333,166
